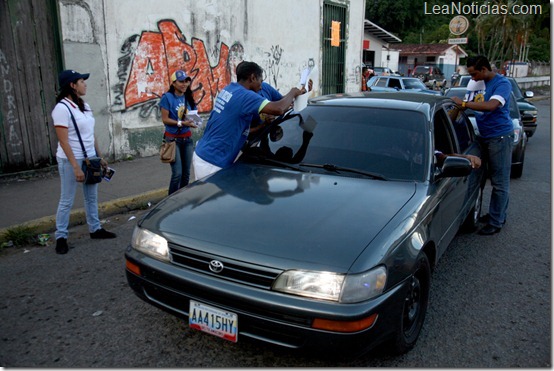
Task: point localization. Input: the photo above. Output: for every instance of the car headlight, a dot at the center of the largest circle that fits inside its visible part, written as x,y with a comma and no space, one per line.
533,113
517,133
341,288
150,243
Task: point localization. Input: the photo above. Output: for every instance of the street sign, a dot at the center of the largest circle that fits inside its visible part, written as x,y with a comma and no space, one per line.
459,40
458,25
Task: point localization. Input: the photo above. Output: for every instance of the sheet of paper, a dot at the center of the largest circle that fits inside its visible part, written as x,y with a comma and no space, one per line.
304,76
193,115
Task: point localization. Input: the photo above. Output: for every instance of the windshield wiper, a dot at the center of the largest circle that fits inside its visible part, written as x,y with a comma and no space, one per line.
338,169
264,159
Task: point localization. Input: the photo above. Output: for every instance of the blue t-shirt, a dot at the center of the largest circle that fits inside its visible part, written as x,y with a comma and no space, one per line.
270,93
175,105
498,122
229,124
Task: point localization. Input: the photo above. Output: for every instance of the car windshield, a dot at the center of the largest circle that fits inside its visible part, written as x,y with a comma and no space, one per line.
515,88
414,84
386,142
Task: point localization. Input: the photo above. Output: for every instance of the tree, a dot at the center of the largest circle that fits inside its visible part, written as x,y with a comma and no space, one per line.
500,36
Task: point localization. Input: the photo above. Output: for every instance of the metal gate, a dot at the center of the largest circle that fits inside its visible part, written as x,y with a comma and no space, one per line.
333,78
30,59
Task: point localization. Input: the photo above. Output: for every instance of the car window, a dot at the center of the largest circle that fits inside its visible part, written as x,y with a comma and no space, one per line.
414,84
384,141
515,88
381,82
395,83
461,125
514,111
444,141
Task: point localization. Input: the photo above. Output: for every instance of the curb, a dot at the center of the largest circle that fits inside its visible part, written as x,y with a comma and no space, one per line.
77,217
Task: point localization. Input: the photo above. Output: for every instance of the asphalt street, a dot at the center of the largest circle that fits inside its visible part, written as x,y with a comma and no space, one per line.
490,304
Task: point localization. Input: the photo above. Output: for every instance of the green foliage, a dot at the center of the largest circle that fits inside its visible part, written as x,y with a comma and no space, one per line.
19,236
497,36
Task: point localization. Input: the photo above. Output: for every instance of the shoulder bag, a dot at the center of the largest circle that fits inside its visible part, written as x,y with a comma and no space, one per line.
91,165
167,151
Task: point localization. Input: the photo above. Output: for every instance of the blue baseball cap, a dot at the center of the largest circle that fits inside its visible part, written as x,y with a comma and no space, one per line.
68,76
179,75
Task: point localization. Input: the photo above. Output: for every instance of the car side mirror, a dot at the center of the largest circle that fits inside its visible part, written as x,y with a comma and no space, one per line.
454,166
529,94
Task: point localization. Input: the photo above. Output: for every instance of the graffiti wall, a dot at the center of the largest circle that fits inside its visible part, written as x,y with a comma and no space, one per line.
143,42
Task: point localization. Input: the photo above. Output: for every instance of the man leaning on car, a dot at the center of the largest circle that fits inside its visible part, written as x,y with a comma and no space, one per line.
491,105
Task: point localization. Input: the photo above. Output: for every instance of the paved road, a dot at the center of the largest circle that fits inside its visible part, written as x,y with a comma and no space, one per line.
490,302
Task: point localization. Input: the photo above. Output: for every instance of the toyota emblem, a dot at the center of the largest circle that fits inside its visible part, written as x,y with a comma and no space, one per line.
216,266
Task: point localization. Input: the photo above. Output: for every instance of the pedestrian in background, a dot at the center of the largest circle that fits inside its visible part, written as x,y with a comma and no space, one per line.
229,122
174,105
490,102
70,156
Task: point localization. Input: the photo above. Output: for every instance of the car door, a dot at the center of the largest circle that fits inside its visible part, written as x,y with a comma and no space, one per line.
451,193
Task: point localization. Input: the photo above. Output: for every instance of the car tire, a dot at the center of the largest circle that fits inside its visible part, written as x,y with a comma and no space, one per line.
517,170
472,219
414,307
421,77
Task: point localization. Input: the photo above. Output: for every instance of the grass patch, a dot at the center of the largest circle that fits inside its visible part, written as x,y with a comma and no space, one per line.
18,236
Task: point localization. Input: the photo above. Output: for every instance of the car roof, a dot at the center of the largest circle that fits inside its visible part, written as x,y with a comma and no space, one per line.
400,100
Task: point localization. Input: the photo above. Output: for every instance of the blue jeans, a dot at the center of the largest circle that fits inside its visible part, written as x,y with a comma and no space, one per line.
180,169
67,196
497,154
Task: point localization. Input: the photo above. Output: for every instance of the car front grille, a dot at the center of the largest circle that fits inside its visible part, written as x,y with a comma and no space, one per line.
233,270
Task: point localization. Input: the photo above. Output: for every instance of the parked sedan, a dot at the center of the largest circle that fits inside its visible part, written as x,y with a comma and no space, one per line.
527,110
520,137
383,71
396,83
324,233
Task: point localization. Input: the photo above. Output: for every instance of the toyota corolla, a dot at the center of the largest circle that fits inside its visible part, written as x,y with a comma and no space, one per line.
324,233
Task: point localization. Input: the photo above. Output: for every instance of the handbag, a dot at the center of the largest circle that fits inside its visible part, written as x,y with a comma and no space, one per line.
91,166
167,151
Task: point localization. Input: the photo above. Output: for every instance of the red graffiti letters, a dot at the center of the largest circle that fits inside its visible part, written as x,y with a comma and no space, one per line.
158,54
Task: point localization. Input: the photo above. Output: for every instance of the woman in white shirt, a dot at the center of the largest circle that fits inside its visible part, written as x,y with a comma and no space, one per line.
70,156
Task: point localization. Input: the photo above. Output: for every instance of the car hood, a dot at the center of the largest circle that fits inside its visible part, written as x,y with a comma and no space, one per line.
524,105
273,217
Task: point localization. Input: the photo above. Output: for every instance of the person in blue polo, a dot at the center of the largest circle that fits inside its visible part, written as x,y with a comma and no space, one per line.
491,101
229,122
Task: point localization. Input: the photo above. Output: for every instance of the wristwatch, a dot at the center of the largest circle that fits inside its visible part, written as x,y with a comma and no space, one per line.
464,104
179,123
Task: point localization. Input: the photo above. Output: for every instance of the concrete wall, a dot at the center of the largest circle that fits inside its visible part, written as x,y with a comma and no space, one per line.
131,47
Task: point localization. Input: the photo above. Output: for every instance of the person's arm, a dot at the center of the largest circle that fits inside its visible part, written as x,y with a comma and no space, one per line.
475,161
171,122
63,138
487,106
103,162
281,106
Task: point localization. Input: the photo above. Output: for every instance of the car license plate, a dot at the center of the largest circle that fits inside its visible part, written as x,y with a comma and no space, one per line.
213,321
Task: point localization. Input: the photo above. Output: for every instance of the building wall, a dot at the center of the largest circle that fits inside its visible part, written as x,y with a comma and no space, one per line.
131,47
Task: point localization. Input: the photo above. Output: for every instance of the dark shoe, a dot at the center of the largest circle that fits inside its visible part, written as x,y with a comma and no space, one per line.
61,246
102,234
489,230
484,219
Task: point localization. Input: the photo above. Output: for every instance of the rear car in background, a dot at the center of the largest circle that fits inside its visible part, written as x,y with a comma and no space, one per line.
323,235
430,75
520,137
527,110
398,83
383,71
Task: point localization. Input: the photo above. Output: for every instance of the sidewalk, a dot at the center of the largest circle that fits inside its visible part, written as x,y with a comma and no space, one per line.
31,198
